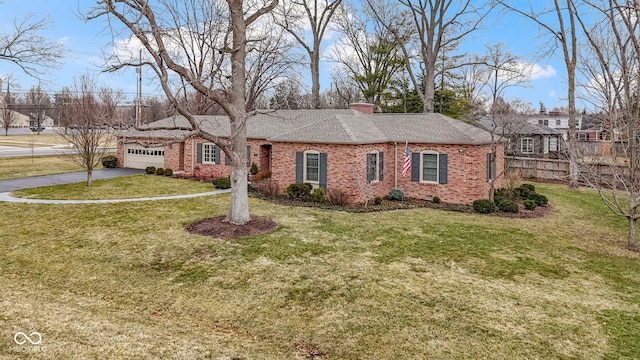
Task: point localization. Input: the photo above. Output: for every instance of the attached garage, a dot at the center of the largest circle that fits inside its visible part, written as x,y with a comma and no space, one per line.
137,156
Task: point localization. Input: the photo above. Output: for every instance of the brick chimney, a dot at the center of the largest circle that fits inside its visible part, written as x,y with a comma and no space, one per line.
362,107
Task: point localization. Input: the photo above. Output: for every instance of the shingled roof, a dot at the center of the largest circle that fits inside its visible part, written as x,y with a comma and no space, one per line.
329,126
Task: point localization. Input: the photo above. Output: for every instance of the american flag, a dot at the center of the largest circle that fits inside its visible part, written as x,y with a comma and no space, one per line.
407,160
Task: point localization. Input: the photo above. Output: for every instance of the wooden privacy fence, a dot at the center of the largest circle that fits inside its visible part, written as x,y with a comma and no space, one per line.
534,168
557,170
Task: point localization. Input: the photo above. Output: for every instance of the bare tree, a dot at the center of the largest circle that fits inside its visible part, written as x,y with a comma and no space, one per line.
295,16
424,28
8,117
24,47
563,31
613,62
503,72
89,110
38,105
168,38
62,108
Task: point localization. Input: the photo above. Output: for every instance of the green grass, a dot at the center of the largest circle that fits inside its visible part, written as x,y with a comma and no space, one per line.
121,281
26,166
119,188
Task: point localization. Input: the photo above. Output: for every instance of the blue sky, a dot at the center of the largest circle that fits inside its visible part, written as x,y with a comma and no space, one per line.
86,42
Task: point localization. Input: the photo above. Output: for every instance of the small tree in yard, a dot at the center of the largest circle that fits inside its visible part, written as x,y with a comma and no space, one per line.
612,62
90,110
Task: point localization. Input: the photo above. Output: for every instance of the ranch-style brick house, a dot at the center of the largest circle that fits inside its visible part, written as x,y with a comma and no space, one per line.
350,150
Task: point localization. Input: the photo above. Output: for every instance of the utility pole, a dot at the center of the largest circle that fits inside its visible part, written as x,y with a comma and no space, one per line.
139,92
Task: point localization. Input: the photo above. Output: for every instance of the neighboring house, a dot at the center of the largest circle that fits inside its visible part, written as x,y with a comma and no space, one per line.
352,150
525,139
555,120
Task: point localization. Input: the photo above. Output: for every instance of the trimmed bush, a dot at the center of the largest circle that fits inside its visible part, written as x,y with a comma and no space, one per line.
150,170
484,206
396,195
317,195
110,161
337,198
159,171
298,191
168,172
539,199
505,193
436,200
222,182
508,206
529,187
377,200
253,169
529,204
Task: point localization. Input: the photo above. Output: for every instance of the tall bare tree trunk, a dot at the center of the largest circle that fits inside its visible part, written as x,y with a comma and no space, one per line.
239,207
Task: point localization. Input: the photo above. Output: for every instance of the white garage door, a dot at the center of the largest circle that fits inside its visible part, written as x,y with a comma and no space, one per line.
139,157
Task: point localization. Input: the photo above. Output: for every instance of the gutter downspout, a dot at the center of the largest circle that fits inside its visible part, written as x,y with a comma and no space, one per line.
395,166
192,154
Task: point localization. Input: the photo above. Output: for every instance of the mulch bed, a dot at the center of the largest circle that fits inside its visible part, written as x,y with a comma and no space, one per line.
218,228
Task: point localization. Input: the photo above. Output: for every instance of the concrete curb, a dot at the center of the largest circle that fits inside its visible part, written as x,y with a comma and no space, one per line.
6,197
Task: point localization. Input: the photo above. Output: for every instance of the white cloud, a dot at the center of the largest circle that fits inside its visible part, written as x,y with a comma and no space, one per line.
539,72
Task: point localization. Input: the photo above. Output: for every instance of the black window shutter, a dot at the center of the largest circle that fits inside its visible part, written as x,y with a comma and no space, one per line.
381,166
370,170
442,169
248,155
494,170
199,153
299,166
227,160
216,154
323,170
488,166
415,166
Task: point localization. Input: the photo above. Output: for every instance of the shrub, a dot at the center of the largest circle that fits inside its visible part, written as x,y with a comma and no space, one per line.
508,206
110,161
150,170
298,190
253,169
539,199
222,182
484,206
267,188
337,198
523,192
317,195
529,187
377,200
529,204
262,175
159,171
505,193
396,195
436,200
168,172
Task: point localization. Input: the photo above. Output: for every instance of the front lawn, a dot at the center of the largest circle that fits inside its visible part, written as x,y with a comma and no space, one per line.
125,187
117,281
26,166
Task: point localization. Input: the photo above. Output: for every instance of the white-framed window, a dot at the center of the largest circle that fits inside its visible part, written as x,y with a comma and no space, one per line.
582,136
311,167
429,167
558,122
373,167
526,145
553,144
209,153
543,122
